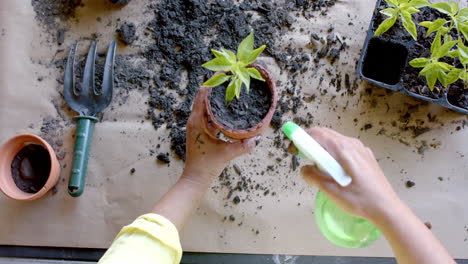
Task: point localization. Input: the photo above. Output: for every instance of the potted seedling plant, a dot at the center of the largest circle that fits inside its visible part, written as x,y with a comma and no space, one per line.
419,48
241,97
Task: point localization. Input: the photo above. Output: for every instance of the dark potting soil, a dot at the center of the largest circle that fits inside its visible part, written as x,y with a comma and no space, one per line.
127,33
245,112
30,168
421,49
48,11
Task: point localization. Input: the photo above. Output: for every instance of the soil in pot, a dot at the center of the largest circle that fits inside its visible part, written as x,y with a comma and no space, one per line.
30,168
245,112
458,95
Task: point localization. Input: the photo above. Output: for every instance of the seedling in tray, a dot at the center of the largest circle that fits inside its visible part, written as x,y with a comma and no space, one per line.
402,10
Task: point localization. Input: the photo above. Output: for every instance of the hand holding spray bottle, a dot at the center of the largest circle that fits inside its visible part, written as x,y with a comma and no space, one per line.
335,224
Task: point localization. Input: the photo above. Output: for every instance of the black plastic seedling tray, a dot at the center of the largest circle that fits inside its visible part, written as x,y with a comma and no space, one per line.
382,62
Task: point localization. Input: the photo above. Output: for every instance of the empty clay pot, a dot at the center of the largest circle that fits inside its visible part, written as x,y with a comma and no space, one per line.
8,151
252,131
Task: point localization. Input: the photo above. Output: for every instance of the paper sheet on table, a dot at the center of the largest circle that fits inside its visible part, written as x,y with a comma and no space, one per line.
113,197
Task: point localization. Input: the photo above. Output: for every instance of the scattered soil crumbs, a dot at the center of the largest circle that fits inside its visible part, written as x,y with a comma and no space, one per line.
127,33
49,11
30,168
410,184
428,225
120,2
163,157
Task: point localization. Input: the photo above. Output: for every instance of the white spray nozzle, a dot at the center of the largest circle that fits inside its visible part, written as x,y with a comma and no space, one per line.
312,150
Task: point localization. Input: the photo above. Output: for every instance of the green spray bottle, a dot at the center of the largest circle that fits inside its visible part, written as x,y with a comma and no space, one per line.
335,224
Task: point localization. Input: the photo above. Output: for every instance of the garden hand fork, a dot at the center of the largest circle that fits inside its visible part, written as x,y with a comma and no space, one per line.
87,101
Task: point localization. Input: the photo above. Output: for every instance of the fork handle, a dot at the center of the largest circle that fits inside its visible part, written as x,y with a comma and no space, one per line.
84,133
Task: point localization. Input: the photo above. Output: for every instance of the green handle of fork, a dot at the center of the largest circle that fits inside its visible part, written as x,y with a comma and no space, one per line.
84,132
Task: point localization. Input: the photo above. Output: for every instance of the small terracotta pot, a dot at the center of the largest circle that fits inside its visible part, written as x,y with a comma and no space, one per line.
258,128
8,152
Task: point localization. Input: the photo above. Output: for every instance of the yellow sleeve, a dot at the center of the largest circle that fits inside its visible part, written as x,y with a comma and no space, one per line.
151,238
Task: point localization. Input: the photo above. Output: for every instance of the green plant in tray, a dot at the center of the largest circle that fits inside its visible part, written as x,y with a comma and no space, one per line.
458,20
235,67
401,10
433,68
444,45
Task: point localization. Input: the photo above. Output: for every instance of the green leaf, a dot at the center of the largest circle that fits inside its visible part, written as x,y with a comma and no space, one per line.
218,64
232,57
246,47
428,69
454,7
435,26
444,8
392,3
231,90
410,10
436,43
254,73
389,12
463,76
245,78
447,38
386,25
218,54
409,24
454,54
253,56
216,80
464,30
453,76
426,24
463,14
419,3
444,66
444,49
462,50
419,63
431,80
238,85
442,77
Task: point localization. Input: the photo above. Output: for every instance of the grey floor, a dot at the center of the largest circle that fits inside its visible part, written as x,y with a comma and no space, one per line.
237,259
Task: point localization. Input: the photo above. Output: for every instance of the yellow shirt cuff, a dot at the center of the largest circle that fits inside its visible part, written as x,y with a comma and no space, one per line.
151,238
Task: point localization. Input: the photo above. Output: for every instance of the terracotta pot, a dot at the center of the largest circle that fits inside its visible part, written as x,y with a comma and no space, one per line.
258,128
8,152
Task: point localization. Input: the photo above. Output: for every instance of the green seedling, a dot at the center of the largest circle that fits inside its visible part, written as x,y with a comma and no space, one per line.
235,67
435,70
401,10
462,54
458,20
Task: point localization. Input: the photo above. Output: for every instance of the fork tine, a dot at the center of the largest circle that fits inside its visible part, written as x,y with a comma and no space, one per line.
69,78
88,75
108,79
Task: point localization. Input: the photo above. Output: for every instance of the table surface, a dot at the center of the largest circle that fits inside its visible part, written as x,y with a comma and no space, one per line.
113,197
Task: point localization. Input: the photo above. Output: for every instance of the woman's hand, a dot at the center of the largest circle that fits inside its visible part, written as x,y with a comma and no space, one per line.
369,192
207,156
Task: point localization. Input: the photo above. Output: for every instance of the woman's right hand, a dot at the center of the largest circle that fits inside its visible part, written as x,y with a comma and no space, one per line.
369,193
